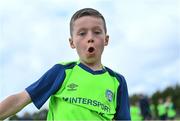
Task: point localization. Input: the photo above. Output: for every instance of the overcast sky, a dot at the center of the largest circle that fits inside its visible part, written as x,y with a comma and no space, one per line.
144,41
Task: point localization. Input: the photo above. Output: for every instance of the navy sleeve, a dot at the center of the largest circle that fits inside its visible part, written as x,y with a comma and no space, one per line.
47,85
123,109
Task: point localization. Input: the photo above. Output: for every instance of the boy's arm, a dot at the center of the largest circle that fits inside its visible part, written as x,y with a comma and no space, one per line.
13,104
123,108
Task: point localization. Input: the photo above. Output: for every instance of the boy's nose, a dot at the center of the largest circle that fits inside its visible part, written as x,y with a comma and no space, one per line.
90,40
90,37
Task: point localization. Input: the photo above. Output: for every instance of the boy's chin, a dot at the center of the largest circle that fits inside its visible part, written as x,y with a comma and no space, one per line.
91,60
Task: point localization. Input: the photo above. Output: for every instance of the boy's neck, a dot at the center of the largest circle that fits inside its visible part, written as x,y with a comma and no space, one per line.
93,66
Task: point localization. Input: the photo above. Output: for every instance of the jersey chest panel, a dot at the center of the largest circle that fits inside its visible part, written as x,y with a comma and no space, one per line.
91,94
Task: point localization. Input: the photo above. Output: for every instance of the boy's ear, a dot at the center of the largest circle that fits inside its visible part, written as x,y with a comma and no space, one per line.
71,43
106,40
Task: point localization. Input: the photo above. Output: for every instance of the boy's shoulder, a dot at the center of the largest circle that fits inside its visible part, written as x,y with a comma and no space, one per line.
115,74
66,65
62,66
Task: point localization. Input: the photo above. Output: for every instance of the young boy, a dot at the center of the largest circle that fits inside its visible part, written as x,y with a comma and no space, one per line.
80,90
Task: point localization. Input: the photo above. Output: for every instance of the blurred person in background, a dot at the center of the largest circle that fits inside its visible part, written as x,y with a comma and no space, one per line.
153,109
161,108
144,107
135,112
171,112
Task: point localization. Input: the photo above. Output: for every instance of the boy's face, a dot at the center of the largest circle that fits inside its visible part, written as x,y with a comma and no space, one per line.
89,39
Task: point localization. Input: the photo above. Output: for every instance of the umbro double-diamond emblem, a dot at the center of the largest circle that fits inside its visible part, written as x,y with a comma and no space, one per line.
72,87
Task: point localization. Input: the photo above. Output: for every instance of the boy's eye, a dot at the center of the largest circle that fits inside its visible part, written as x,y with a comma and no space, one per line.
97,32
81,33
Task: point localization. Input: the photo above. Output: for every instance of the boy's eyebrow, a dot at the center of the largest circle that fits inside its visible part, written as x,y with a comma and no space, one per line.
81,29
98,27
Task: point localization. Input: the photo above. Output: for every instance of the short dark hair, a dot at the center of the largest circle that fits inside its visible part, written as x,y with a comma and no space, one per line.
86,12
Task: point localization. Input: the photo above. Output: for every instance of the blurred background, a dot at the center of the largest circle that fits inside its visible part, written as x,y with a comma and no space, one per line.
144,46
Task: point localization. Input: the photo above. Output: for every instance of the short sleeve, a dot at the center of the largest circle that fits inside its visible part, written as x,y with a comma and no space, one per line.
47,85
123,109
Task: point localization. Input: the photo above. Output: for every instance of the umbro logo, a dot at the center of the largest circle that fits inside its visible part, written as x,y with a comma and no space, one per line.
72,87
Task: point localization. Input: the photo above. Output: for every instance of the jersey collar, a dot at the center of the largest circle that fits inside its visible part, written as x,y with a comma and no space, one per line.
86,68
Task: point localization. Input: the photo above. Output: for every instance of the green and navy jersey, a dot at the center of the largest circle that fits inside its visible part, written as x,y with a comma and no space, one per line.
79,93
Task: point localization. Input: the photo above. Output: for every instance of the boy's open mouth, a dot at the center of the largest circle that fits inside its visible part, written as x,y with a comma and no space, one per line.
91,49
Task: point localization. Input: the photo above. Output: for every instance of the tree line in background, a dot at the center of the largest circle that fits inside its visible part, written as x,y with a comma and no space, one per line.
173,91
